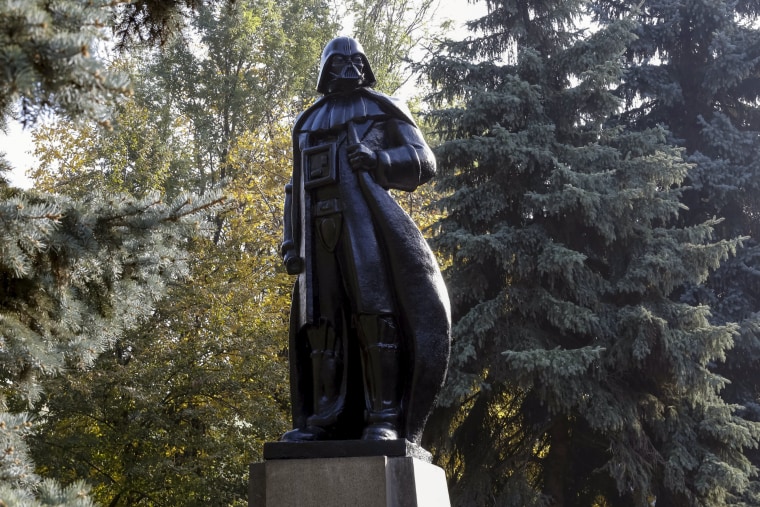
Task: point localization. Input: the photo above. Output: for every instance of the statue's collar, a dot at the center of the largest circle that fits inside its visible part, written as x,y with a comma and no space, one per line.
333,111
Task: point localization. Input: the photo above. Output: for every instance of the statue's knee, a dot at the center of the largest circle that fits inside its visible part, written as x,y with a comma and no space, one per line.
378,330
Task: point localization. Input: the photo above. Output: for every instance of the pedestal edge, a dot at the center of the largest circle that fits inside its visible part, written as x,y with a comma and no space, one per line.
345,449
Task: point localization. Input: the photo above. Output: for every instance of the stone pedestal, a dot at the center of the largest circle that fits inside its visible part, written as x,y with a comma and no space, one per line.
351,475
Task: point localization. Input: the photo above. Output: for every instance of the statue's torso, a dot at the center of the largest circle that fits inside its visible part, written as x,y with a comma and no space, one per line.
331,192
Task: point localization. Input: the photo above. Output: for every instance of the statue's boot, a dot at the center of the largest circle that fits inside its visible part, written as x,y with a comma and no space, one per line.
328,396
327,372
327,392
382,376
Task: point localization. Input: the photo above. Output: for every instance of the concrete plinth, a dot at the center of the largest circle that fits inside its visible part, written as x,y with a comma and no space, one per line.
357,481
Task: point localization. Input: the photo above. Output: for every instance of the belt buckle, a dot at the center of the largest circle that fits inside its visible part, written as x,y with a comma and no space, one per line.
327,207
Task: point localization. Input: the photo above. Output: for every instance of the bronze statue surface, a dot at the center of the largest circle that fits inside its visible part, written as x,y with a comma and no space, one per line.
370,319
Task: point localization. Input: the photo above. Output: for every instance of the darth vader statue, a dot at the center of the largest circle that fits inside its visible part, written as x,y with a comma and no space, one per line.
370,319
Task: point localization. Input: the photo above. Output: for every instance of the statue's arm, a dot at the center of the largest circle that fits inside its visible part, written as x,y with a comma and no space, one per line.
408,161
293,262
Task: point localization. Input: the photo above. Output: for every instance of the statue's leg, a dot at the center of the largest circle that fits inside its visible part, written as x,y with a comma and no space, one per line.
325,336
379,345
326,374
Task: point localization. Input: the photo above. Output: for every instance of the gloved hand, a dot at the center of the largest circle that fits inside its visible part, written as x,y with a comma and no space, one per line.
361,158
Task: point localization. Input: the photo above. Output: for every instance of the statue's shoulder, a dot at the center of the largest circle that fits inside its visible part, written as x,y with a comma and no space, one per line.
393,106
306,112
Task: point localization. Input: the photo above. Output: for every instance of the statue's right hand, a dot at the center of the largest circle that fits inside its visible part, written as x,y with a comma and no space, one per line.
361,158
293,264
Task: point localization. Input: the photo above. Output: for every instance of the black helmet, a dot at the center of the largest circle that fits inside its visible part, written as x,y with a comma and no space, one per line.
347,47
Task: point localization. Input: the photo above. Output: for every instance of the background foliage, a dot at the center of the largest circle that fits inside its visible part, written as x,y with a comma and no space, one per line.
596,218
173,407
591,228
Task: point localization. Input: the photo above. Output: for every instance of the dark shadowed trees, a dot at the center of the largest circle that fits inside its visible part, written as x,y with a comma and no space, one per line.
577,378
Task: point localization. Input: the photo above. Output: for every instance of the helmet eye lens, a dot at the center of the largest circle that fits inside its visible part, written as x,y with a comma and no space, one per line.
339,61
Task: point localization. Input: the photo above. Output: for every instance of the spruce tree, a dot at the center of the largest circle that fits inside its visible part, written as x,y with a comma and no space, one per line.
576,378
695,67
75,275
48,60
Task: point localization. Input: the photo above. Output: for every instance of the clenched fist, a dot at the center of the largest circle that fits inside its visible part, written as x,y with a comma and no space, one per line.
361,158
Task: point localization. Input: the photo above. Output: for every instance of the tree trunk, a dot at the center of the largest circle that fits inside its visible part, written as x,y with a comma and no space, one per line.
555,469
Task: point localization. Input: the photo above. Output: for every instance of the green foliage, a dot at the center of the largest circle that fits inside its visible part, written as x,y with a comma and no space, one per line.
577,376
4,168
71,162
77,274
703,85
175,412
49,493
150,22
15,468
247,78
196,390
389,32
170,417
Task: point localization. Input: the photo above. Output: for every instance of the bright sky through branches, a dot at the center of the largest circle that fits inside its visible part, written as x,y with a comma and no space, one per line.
18,145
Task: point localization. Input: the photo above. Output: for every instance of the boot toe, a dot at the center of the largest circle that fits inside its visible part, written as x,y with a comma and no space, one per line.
307,434
380,431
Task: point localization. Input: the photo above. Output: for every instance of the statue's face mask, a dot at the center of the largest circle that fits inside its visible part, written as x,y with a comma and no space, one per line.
346,72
